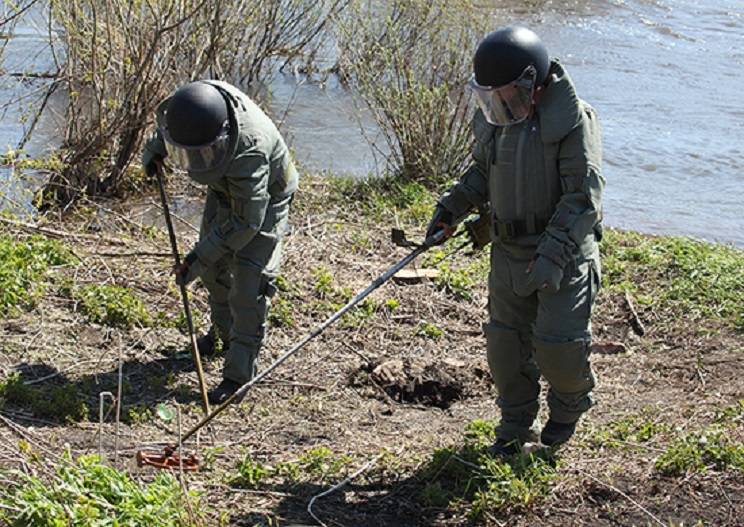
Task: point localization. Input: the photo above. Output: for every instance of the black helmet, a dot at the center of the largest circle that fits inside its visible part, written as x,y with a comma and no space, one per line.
504,55
196,114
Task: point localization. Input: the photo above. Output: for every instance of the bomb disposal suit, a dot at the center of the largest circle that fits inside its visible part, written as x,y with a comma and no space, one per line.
537,169
250,178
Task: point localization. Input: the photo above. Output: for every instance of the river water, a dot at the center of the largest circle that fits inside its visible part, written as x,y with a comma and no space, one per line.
664,75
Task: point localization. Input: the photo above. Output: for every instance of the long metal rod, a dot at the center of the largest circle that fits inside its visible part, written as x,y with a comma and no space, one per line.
184,294
317,331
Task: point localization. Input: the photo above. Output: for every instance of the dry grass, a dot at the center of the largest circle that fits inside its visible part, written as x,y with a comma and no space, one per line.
322,415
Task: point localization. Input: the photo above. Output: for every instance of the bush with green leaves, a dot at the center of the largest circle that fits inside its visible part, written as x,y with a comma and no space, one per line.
23,266
86,493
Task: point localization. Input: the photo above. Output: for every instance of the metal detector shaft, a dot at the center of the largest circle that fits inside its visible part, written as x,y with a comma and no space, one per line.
317,331
184,296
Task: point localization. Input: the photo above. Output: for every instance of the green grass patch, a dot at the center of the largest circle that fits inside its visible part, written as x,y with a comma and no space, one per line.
23,267
249,473
731,415
89,494
280,313
467,479
712,449
318,464
332,298
110,305
630,429
458,279
429,330
383,198
698,279
58,402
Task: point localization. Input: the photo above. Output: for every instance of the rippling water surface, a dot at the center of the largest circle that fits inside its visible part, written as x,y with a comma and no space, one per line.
664,75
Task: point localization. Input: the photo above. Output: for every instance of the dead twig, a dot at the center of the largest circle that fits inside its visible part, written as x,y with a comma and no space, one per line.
621,493
62,234
634,320
337,486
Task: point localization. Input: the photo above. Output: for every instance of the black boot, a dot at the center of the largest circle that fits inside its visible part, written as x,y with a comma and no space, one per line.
225,389
504,448
208,344
555,433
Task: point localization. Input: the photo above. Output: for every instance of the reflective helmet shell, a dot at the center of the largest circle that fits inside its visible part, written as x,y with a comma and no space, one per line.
503,55
196,114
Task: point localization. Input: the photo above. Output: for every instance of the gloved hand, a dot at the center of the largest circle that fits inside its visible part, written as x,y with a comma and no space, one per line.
441,220
153,153
544,275
188,270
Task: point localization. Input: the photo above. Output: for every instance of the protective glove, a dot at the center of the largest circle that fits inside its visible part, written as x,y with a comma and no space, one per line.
153,153
543,275
440,220
188,270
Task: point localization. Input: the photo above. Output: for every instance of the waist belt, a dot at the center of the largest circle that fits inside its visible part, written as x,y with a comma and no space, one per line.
507,230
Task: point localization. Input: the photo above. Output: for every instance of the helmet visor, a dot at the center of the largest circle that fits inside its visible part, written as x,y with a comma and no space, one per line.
508,104
199,158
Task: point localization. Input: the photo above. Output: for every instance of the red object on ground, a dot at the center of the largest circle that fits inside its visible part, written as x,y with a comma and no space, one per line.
168,459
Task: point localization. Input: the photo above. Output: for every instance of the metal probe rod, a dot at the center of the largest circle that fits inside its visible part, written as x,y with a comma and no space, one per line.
428,243
184,294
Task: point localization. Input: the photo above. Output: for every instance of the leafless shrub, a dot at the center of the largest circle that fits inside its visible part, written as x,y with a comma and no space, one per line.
117,59
409,61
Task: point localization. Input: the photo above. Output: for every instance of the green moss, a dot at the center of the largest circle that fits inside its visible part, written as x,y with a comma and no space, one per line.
23,267
89,494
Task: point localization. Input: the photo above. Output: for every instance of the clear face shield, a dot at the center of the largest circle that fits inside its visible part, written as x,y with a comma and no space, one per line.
508,104
199,158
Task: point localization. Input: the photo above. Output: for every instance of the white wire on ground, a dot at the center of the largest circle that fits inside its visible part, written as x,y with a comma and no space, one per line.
338,486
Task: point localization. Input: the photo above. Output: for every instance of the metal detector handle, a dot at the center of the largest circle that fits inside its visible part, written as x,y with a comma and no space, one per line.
184,294
384,277
398,237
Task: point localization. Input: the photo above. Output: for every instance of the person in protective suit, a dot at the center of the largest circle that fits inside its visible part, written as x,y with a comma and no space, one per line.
537,169
222,139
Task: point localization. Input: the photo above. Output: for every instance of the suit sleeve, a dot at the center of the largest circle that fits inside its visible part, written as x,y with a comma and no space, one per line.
471,191
579,209
249,199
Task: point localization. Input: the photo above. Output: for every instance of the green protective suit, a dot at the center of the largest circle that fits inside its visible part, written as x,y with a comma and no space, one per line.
542,182
244,221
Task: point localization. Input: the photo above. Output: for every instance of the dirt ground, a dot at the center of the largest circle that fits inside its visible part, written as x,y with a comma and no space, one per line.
369,384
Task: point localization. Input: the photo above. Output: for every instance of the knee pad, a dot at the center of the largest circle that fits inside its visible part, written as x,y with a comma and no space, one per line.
565,365
504,352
